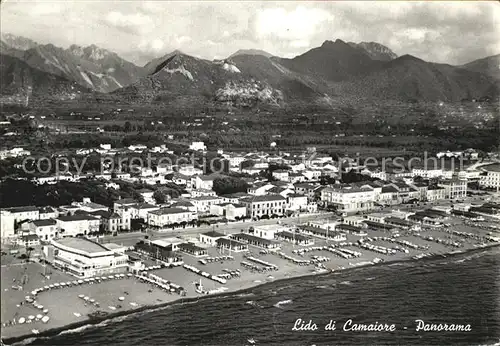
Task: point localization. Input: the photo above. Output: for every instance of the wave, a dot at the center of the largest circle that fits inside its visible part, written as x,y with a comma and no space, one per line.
26,341
346,283
282,302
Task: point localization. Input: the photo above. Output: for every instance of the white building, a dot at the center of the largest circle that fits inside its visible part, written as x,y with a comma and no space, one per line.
147,195
72,225
46,230
260,189
167,216
427,173
196,146
210,238
7,221
84,258
141,210
281,174
268,231
349,199
14,152
202,182
203,203
491,179
258,206
296,202
454,188
231,211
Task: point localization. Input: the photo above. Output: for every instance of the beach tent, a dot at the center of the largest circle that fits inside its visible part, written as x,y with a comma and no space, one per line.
81,296
22,320
45,311
45,319
39,316
31,317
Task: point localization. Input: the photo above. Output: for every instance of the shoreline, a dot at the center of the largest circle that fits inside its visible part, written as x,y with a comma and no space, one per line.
97,320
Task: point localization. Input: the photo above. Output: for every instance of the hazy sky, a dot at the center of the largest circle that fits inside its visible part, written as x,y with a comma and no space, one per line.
448,32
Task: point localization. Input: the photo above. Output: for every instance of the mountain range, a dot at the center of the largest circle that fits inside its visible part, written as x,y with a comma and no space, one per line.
335,71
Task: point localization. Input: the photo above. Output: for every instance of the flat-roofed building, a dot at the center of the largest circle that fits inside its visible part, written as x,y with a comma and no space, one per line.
258,206
231,244
256,241
83,258
349,199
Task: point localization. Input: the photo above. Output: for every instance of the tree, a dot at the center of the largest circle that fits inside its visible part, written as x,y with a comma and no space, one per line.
229,185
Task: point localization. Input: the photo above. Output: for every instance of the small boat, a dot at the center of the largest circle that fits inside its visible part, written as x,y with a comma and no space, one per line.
77,314
121,298
251,341
35,331
112,307
81,296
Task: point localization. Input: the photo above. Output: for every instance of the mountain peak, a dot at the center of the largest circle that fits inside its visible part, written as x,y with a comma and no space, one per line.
18,42
250,52
375,50
337,42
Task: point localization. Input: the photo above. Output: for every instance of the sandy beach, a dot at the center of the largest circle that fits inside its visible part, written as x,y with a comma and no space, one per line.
67,310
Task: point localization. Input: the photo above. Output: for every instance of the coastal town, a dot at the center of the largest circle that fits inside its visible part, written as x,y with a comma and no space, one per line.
297,216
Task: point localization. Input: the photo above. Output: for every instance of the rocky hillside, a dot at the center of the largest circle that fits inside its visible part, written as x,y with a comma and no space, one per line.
20,83
92,67
182,77
375,50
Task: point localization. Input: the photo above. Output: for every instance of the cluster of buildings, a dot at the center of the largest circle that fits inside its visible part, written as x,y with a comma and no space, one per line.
294,188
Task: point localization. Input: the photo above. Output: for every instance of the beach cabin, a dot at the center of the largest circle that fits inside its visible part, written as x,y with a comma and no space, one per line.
401,223
192,249
171,244
232,244
267,231
323,233
295,238
256,241
350,229
378,226
210,238
425,220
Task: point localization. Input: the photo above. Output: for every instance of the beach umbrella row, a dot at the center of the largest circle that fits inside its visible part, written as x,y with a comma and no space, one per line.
32,318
